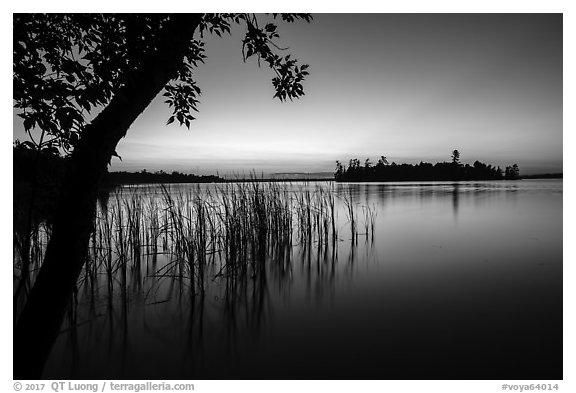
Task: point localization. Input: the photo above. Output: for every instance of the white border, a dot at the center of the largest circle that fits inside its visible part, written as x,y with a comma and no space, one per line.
420,6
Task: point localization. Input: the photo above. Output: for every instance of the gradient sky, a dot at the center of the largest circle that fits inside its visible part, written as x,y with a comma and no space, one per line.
411,87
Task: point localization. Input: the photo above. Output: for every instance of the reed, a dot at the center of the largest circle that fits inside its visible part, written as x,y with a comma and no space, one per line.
160,242
351,213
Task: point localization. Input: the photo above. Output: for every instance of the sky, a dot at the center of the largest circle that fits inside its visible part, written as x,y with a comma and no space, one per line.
412,87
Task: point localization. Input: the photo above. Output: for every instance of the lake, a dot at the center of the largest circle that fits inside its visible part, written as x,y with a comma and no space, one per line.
429,280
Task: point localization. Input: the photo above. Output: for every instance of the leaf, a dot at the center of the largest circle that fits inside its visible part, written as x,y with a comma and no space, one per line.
29,123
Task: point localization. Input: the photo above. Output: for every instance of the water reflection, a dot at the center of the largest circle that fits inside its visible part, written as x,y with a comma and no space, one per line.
404,293
455,196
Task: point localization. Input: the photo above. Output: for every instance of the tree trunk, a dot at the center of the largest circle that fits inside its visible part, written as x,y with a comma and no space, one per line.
40,321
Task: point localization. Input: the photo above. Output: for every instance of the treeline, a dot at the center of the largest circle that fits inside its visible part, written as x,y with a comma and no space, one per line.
144,177
47,168
452,171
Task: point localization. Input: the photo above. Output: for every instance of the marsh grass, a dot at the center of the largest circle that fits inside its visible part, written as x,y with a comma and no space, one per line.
159,243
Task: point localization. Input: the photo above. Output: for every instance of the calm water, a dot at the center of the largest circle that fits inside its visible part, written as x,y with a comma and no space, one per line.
459,281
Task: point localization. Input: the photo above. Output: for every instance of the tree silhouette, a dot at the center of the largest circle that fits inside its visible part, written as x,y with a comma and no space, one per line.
456,157
512,172
383,171
339,171
79,82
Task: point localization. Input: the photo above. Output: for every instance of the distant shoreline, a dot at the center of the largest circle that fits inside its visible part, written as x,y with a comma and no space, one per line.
326,179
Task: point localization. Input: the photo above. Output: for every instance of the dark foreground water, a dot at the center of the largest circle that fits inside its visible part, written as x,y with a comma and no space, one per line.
459,281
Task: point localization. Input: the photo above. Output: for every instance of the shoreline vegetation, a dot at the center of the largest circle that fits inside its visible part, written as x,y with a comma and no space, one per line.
424,171
46,169
39,175
145,177
227,234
